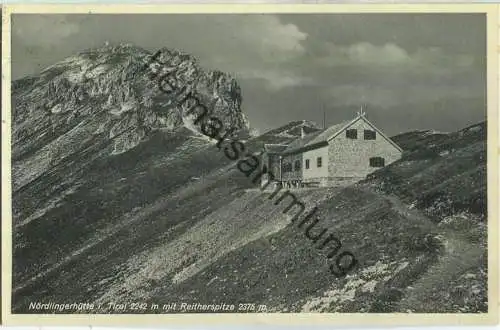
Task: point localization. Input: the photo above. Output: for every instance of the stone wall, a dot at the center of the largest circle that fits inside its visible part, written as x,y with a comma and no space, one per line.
331,181
351,157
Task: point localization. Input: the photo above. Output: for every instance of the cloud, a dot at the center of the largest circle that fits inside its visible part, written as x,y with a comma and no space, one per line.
366,53
263,49
271,37
391,96
391,56
262,46
235,40
276,80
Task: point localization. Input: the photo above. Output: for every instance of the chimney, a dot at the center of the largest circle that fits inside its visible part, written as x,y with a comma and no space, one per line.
302,133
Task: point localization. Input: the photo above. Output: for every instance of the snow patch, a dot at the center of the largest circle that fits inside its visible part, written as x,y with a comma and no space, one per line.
125,142
365,281
188,122
58,108
286,134
434,132
124,107
100,69
75,76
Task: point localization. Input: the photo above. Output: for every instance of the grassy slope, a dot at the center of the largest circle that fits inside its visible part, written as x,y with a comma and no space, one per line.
444,176
126,202
287,273
112,191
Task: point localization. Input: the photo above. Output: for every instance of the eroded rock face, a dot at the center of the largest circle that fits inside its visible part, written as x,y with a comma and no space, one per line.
104,101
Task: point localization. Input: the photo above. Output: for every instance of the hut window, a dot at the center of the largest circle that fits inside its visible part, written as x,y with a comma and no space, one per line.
370,135
377,162
319,162
307,163
351,134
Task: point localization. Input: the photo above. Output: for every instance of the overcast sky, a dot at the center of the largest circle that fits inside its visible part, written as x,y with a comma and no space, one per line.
410,71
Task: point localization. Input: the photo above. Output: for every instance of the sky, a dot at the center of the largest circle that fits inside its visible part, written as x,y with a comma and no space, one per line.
407,71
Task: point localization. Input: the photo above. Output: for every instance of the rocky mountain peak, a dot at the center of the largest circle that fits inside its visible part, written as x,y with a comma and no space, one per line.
107,95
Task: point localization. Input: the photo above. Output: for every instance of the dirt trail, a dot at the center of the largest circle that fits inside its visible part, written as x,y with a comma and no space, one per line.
458,256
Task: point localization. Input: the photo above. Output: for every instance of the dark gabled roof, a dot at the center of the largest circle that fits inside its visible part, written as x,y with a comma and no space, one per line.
301,142
315,139
274,148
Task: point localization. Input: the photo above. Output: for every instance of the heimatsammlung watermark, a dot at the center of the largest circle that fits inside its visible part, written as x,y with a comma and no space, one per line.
248,163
